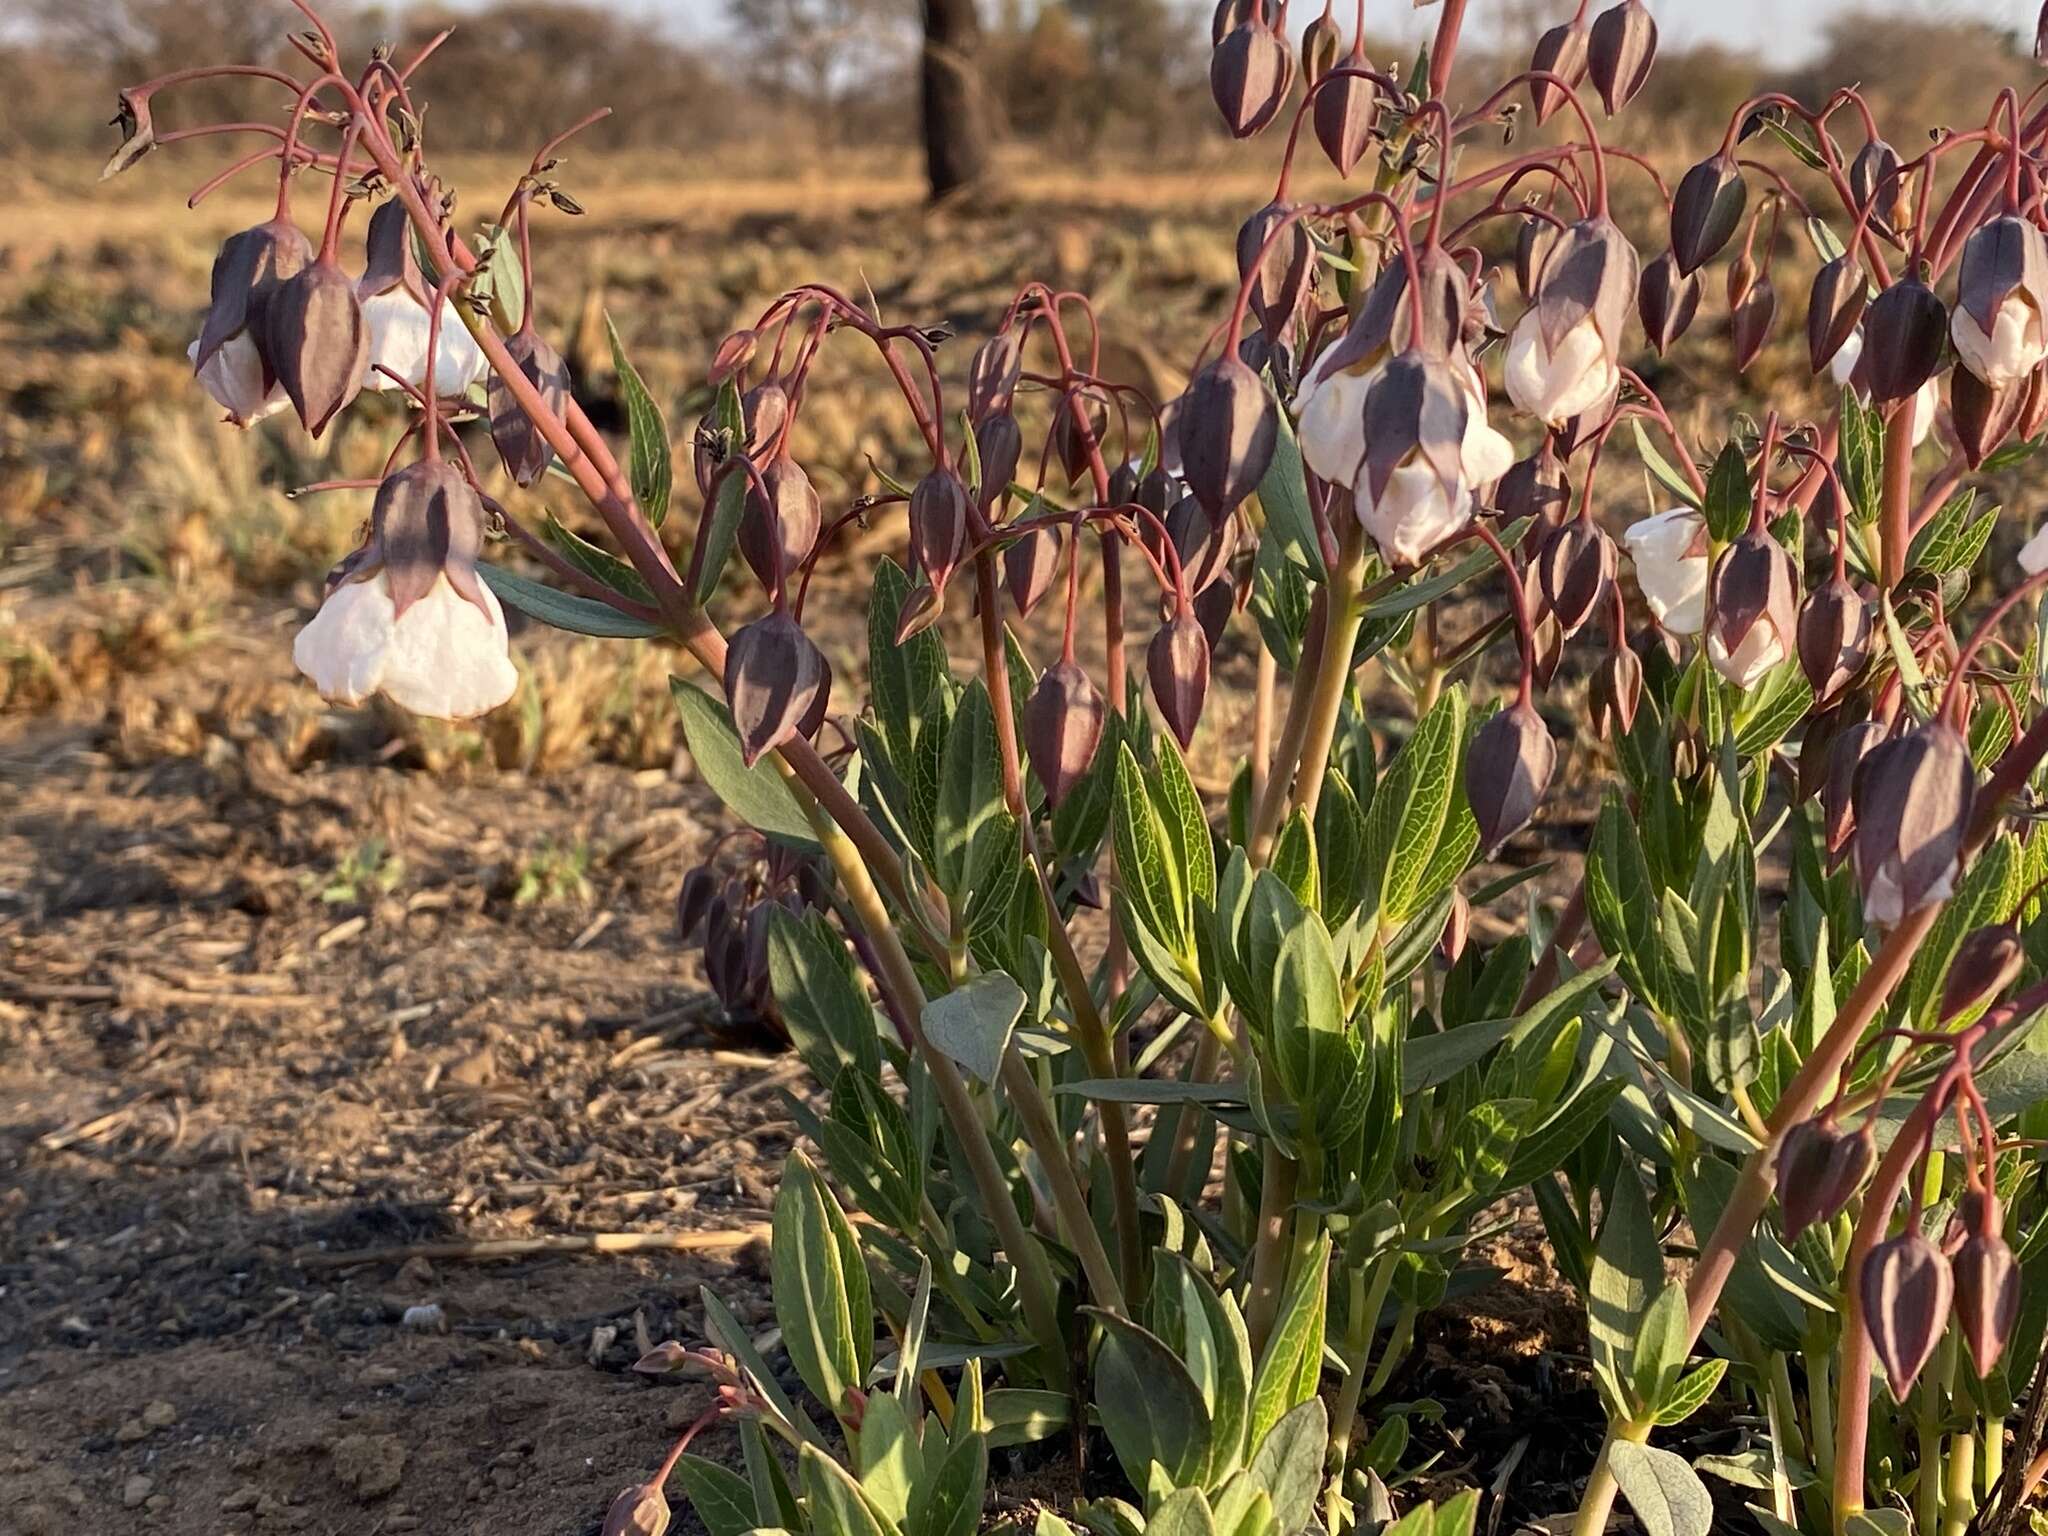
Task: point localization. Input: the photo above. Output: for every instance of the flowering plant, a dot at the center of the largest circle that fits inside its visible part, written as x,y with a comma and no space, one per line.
1179,1115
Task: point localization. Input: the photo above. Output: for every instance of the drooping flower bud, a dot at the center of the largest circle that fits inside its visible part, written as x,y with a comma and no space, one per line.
1755,597
246,275
1249,74
1426,452
1177,665
1669,550
1615,692
1620,51
1575,564
1903,332
399,324
317,342
1321,46
1705,211
1063,722
1984,415
1874,179
1507,771
1285,275
1803,1158
774,678
992,375
998,444
1987,962
1834,309
938,525
522,448
1229,426
1838,793
1913,796
1343,117
641,1510
1534,238
1080,423
1030,563
407,615
778,532
1987,1296
1907,1290
1749,323
1536,488
693,902
1562,52
1214,605
1564,356
1666,301
1457,932
1834,637
2000,323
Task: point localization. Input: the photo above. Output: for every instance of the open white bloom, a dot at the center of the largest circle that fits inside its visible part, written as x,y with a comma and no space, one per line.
1556,384
1332,409
1759,651
1670,555
2034,553
398,326
1884,900
2016,345
1842,369
234,377
445,656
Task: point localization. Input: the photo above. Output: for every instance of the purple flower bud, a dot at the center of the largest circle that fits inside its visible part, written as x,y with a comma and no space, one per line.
1705,210
1987,1289
1749,322
1069,439
1214,605
992,376
938,525
1845,762
998,443
1562,52
1177,665
1754,597
1249,74
1507,771
1620,52
1666,301
693,902
246,274
1575,565
1907,1288
1834,308
1229,425
1913,796
427,522
1983,415
778,532
1030,563
1987,962
1451,942
1534,239
1904,333
1536,488
1343,118
1834,637
1802,1167
316,342
519,442
1615,692
1321,45
1063,722
774,678
1284,277
1874,179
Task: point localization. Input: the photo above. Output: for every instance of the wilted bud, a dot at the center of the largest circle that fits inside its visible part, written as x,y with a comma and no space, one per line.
1620,52
1983,415
1834,309
1030,563
1451,942
1749,323
519,442
1562,52
1666,301
938,525
998,443
1284,276
1913,796
778,532
1535,487
693,902
1343,116
1321,45
316,342
1838,792
1904,333
1874,179
1229,425
1834,637
1575,564
1987,1296
1177,665
1754,598
1507,771
1907,1289
1063,721
992,375
1249,74
1705,211
1615,692
774,678
639,1511
1987,962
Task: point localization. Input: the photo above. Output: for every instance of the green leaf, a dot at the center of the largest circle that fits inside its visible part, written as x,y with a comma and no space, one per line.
1859,456
1420,591
970,788
564,610
1288,1463
1025,1415
1661,1345
824,1007
724,1330
1661,1487
832,1498
1144,863
901,677
1661,471
1428,1060
1628,1271
1728,500
647,463
1184,1513
721,530
600,565
1283,493
1187,825
1293,1362
1151,1408
723,1499
947,1500
820,1285
972,1024
887,1459
1690,1393
1409,809
757,795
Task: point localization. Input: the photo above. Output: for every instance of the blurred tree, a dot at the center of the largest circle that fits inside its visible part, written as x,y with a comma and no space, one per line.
823,50
956,128
1910,64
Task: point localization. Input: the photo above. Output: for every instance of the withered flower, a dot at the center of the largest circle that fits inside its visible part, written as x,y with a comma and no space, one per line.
519,442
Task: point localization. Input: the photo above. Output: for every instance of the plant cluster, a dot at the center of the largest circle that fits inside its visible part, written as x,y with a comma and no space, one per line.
1178,1118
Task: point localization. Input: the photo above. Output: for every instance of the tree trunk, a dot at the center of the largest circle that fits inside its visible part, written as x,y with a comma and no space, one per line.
955,117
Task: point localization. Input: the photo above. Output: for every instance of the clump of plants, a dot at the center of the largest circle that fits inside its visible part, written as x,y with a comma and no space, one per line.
1172,1119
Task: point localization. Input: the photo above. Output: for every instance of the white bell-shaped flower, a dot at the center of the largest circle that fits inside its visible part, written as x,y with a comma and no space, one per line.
234,377
1670,555
445,657
1754,655
1554,384
398,324
2014,347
